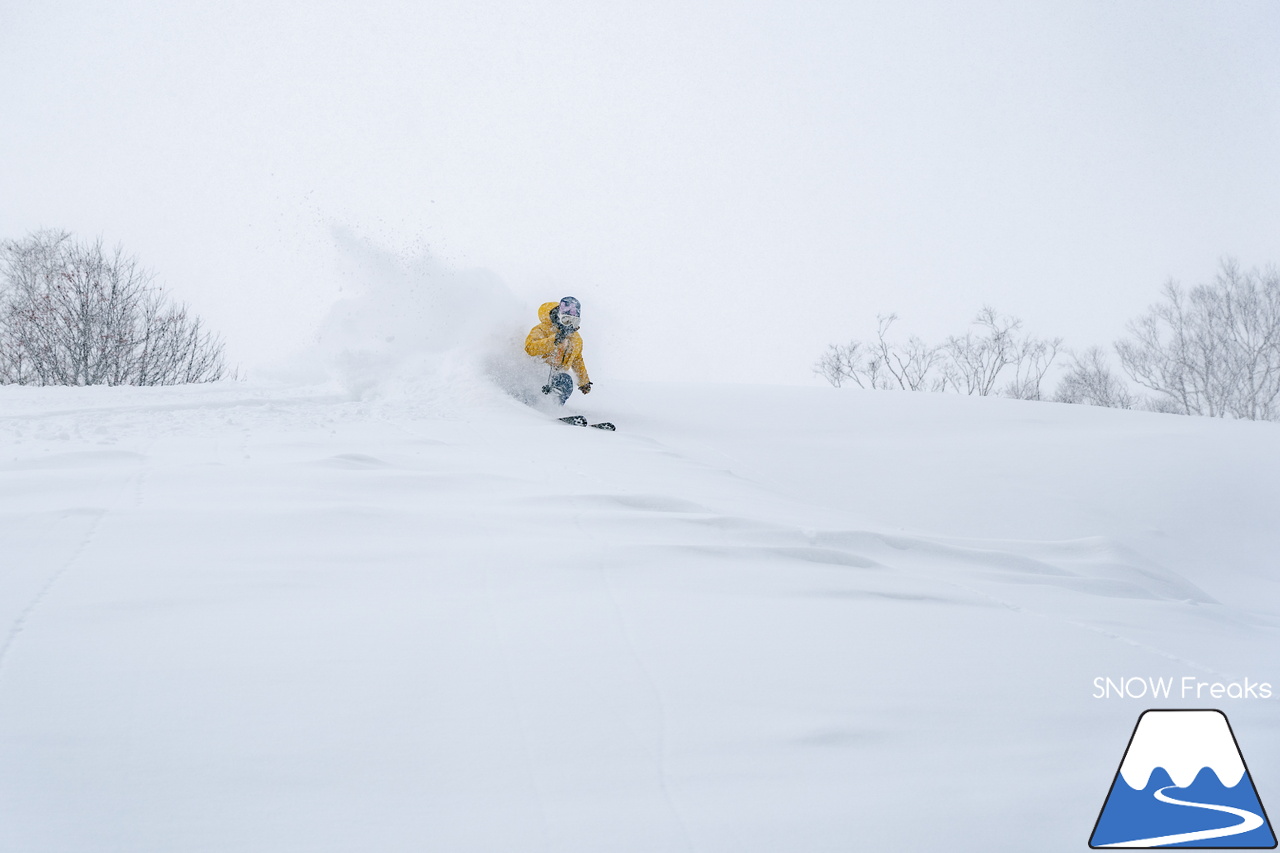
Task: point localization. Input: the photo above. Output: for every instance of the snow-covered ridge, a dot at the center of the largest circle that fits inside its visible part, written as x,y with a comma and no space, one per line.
1183,743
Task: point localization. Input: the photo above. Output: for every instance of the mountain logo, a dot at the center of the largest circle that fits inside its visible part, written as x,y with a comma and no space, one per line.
1183,783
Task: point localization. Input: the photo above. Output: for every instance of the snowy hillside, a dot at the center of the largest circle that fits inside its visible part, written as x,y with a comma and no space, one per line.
253,617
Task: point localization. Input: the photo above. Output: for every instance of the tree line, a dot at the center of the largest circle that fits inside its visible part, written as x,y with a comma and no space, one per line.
72,313
1212,350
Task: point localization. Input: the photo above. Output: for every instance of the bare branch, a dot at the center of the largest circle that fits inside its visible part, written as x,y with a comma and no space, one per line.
70,314
1213,351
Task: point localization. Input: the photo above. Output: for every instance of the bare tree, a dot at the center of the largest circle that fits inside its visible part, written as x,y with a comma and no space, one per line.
70,314
904,367
841,363
978,360
972,364
1214,350
1035,357
1090,382
884,365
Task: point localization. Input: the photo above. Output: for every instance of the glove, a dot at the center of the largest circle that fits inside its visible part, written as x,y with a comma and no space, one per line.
562,333
585,389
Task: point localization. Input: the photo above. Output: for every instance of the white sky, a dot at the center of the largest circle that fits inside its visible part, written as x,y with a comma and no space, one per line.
728,187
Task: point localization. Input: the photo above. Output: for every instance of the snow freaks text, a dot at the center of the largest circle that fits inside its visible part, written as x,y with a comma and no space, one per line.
1186,687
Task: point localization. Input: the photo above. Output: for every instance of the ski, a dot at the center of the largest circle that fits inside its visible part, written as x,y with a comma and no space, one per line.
579,420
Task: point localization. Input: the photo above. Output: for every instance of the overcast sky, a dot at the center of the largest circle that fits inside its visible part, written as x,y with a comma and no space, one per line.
727,187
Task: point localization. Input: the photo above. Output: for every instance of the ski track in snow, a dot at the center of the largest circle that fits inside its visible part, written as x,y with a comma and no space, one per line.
31,606
132,486
659,751
517,708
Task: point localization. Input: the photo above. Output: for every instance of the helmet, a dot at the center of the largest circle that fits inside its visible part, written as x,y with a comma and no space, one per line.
568,313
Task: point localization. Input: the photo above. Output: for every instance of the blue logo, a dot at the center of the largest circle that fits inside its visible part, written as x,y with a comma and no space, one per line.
1183,783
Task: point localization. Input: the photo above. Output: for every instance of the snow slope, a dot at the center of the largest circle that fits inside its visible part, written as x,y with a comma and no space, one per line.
426,617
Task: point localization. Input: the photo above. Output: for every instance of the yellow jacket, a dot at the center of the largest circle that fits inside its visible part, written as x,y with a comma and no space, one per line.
541,342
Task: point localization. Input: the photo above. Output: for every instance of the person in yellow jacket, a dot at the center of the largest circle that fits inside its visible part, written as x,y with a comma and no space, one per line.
556,341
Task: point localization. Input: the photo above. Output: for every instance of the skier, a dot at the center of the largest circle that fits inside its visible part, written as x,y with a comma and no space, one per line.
556,341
